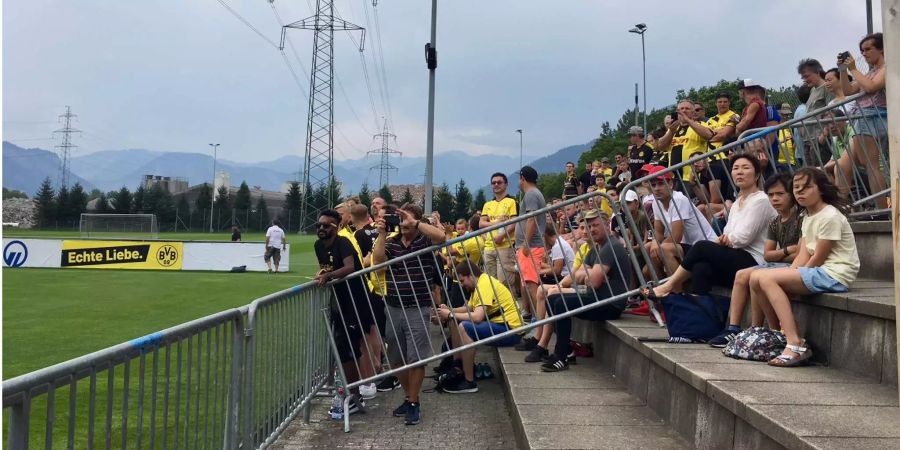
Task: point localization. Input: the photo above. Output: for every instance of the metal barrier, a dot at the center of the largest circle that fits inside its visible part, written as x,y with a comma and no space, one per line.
229,380
420,284
187,379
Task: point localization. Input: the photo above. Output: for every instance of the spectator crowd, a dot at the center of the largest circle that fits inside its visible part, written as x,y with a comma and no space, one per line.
700,202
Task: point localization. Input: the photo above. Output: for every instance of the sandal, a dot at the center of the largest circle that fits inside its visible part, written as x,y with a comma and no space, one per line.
803,354
647,292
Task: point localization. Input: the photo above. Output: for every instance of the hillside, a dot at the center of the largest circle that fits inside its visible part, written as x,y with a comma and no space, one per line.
25,169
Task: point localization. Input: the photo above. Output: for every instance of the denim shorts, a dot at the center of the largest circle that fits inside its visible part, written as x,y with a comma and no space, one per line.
818,281
873,124
484,330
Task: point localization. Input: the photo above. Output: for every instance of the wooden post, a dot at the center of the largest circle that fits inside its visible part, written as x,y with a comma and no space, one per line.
890,13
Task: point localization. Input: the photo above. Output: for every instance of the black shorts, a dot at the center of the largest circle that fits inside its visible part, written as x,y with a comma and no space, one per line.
347,338
377,313
272,253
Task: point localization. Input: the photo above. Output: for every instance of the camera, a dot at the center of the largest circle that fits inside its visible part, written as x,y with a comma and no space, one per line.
843,56
391,222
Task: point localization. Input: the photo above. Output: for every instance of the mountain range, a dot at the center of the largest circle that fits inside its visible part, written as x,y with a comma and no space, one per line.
25,169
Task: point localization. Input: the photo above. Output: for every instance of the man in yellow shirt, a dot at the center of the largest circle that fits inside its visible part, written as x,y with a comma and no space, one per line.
786,140
491,310
722,124
499,255
684,136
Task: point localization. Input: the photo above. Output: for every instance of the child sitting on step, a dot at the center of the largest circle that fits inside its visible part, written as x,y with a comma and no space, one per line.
827,261
781,247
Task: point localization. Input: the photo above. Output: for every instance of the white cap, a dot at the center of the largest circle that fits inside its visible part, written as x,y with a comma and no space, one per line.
631,196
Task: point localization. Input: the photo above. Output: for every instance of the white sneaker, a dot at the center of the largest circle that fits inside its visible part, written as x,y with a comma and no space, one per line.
368,391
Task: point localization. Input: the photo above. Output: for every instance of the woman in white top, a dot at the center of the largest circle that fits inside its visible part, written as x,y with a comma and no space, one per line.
710,263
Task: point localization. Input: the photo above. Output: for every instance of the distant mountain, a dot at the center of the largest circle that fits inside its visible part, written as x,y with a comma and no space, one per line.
552,163
111,169
25,169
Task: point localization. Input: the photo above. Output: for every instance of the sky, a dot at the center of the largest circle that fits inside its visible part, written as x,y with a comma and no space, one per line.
176,76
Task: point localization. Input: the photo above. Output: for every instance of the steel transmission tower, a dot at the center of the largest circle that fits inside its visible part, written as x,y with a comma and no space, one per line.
384,165
318,161
66,146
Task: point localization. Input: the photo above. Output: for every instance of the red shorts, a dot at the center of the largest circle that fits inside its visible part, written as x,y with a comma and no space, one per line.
530,267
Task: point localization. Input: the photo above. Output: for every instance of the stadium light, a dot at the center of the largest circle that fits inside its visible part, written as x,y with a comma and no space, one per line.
640,29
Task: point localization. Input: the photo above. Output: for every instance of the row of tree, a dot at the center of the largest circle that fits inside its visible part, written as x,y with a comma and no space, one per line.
452,206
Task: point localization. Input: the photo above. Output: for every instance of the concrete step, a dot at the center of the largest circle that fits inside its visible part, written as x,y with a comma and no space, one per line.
720,403
854,331
584,407
876,249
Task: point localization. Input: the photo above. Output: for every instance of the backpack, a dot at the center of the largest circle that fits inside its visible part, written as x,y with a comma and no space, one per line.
695,318
756,344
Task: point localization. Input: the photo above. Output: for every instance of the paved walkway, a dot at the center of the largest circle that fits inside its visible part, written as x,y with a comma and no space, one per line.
479,420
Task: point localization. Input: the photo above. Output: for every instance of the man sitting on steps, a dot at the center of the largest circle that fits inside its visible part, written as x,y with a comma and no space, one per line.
604,275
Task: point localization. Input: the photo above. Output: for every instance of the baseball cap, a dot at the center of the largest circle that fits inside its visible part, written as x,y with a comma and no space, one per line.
650,169
636,130
591,214
747,83
604,159
631,196
786,109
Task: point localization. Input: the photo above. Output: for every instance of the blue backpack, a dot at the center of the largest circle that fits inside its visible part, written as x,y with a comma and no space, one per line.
695,318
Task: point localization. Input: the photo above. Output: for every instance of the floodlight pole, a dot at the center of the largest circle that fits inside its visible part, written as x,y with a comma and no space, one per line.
640,29
431,62
212,205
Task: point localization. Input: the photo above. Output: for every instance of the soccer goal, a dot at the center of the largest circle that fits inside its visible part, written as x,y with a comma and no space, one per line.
122,226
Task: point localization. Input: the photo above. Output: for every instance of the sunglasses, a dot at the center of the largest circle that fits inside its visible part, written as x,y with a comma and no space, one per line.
322,226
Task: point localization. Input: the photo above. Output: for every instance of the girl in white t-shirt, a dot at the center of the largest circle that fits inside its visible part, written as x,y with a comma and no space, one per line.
827,261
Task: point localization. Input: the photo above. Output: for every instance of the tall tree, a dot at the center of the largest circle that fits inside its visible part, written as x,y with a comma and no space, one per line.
551,184
293,203
102,204
13,193
62,206
365,196
462,202
407,197
334,192
385,193
45,212
95,193
182,208
443,202
222,205
77,202
480,200
204,198
139,200
159,201
242,201
260,218
122,201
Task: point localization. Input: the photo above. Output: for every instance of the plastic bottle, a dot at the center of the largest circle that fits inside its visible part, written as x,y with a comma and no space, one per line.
337,404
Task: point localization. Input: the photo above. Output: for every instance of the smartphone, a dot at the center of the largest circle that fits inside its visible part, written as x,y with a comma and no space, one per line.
391,222
674,116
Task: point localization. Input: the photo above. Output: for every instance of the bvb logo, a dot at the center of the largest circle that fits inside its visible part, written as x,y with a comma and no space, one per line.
167,255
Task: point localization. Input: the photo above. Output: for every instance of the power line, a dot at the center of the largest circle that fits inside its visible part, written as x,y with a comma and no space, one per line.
384,80
384,165
247,23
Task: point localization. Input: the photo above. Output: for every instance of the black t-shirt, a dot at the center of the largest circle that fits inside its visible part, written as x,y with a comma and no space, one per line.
348,293
638,155
365,238
586,180
570,187
717,171
235,236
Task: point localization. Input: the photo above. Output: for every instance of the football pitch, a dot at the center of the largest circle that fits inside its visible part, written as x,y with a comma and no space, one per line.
52,315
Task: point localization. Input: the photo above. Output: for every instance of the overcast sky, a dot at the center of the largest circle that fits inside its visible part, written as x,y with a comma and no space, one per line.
177,75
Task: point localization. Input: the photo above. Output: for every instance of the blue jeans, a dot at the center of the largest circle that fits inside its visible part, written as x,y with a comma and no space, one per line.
485,329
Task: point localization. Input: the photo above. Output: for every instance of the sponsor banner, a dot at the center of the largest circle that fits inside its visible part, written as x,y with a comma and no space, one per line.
222,256
158,255
27,252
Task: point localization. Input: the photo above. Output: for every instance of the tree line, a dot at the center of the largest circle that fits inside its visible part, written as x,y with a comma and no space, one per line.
451,205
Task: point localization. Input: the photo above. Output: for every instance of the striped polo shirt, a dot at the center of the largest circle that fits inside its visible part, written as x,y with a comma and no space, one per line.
409,282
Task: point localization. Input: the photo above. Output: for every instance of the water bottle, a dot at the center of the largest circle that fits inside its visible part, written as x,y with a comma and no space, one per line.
337,404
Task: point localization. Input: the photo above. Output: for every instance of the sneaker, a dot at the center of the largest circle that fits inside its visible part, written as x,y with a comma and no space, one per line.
554,365
479,371
357,405
527,318
571,359
368,391
449,378
526,345
445,365
486,372
462,386
413,414
388,384
723,338
401,410
536,355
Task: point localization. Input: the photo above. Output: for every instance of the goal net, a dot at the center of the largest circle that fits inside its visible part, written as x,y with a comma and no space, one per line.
118,226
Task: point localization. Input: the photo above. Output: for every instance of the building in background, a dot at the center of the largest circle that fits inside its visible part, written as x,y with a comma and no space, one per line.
173,185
